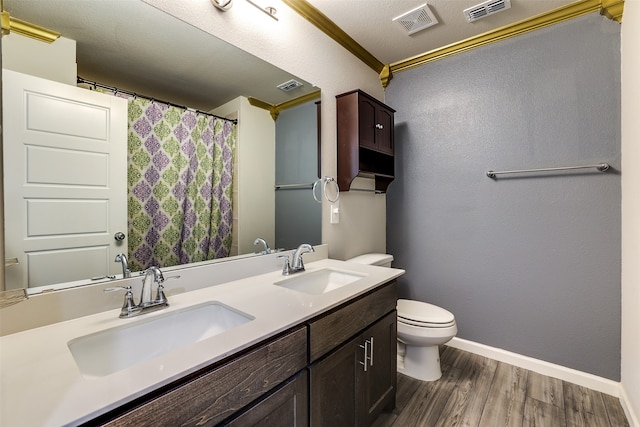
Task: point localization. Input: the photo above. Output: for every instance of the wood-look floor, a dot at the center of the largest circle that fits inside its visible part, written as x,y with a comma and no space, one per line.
476,391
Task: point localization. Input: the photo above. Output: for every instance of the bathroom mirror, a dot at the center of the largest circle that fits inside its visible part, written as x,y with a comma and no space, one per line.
133,46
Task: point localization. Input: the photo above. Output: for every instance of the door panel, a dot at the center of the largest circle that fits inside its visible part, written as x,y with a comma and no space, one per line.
47,267
74,167
65,154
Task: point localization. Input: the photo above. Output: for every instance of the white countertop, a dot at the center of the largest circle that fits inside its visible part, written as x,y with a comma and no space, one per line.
40,384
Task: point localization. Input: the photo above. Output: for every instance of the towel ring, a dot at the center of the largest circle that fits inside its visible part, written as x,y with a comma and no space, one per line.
325,181
313,191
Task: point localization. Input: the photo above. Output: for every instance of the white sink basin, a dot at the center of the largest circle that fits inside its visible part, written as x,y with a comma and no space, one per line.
321,281
112,350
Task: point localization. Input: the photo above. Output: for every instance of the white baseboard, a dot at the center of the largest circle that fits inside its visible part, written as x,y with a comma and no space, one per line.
584,379
632,417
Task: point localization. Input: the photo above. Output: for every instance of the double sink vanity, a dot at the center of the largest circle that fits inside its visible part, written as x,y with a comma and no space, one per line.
313,348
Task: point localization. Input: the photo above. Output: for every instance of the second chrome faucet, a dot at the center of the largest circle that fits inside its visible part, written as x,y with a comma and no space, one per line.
296,265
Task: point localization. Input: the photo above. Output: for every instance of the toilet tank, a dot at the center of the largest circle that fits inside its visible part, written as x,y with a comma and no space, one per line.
383,260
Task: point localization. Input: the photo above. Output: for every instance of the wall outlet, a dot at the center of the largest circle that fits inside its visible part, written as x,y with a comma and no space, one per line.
335,213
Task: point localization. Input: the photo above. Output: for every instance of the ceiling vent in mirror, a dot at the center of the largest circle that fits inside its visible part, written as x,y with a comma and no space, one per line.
417,19
486,8
290,85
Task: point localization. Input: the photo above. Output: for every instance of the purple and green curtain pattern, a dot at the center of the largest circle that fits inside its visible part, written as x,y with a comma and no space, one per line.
179,185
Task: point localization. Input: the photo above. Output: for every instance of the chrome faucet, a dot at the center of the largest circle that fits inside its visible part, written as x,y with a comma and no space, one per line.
296,262
296,265
151,275
122,258
147,304
265,246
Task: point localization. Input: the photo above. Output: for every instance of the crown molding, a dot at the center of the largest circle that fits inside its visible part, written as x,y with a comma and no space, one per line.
612,9
275,110
327,26
18,26
5,20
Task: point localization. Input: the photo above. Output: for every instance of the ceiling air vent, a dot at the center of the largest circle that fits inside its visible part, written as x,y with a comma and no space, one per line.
417,19
290,85
485,9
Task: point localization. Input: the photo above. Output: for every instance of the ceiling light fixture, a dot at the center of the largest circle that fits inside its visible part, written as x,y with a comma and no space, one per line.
269,10
223,5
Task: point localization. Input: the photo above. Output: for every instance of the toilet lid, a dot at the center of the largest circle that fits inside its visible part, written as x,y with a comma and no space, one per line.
422,312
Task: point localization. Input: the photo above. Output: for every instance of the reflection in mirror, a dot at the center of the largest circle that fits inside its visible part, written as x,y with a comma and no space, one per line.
179,64
296,170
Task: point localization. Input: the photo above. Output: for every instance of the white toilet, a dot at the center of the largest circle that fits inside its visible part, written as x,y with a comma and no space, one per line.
422,327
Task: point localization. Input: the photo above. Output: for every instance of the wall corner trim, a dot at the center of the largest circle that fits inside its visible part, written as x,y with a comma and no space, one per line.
612,9
574,376
627,406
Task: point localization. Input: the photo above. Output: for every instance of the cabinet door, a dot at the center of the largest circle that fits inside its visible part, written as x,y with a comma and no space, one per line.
333,387
286,407
380,379
343,392
367,122
384,130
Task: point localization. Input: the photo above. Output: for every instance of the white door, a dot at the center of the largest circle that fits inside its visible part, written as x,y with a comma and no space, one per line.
65,179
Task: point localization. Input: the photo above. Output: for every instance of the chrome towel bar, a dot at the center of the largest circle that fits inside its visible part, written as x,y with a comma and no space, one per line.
601,167
293,186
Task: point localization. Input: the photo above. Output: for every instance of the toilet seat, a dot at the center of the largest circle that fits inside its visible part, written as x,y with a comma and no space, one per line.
425,324
422,314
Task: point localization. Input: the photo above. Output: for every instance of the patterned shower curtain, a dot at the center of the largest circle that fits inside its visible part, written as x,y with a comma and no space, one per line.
179,185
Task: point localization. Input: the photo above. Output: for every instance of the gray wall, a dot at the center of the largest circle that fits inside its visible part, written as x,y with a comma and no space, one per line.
298,215
526,264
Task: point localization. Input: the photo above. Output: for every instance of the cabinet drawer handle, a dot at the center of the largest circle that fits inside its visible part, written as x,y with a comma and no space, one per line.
368,353
366,350
379,126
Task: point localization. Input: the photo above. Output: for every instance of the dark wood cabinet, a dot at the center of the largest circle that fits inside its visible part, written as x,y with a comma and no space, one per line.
380,382
287,406
352,383
365,140
336,369
220,392
333,391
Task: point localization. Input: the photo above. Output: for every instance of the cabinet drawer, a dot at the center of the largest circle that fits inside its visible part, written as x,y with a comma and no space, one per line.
216,395
346,321
286,407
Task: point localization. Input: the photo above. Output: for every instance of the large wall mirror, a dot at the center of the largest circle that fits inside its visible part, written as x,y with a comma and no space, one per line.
132,46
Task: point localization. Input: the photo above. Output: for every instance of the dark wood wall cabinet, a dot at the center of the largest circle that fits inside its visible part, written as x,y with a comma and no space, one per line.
337,369
365,140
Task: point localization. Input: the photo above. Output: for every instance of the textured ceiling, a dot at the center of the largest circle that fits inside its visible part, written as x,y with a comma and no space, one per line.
370,23
134,46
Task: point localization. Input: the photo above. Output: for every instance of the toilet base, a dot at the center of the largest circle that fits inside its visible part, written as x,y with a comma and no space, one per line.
421,363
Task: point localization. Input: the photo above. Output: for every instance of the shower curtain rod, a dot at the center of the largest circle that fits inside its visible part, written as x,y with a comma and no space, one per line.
137,95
